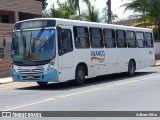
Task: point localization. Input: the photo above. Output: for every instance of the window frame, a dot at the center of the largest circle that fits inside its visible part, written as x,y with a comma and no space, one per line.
113,38
64,50
102,38
149,40
88,37
125,44
127,40
144,45
4,18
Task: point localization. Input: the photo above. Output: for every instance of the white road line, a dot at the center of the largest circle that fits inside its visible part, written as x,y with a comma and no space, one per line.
78,93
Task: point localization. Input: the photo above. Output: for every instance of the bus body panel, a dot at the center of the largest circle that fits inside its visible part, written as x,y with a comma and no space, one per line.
110,60
99,61
124,56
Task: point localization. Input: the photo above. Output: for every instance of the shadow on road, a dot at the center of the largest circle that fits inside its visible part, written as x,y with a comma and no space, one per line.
89,82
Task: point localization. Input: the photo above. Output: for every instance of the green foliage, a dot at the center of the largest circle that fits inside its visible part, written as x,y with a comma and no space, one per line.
149,13
70,9
105,15
149,10
44,4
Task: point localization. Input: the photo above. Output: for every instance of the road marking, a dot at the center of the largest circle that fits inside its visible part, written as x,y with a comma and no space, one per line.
78,93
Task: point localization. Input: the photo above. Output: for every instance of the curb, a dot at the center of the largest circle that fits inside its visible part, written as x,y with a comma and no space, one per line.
6,80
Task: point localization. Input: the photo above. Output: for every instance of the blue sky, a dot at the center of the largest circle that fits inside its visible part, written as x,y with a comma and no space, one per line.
100,4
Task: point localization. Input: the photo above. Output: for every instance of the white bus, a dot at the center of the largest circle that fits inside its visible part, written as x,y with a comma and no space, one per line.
57,50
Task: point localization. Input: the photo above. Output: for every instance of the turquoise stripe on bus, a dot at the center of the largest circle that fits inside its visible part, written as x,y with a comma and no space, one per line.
48,76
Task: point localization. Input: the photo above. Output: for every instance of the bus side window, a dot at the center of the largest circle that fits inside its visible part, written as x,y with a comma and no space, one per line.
121,39
149,40
96,37
81,37
109,38
140,39
131,39
65,41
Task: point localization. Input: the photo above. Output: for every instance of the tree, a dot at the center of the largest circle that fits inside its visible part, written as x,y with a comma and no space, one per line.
77,6
149,11
64,10
70,10
44,4
105,15
92,14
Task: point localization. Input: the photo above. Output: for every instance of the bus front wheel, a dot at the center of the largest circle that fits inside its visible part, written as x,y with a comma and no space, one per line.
131,68
42,84
80,75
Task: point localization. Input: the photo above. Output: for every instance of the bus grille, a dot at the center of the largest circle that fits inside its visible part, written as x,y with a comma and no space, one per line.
30,71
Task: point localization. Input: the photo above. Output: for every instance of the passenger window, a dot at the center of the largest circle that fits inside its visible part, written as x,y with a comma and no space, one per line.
131,39
140,39
109,38
96,38
149,40
121,39
65,41
81,37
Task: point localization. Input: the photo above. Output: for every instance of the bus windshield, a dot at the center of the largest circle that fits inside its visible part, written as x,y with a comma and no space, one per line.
33,45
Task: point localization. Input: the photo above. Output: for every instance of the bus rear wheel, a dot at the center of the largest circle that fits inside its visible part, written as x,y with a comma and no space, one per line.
80,75
42,84
131,68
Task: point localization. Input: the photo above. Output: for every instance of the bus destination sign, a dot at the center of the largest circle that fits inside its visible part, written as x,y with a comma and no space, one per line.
35,24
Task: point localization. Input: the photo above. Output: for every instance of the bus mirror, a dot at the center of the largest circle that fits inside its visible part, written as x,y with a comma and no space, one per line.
59,28
61,52
4,42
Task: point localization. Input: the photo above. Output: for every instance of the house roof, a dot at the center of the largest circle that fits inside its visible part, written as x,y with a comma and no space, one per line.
126,22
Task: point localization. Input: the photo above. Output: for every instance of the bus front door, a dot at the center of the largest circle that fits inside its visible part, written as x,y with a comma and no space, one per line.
65,51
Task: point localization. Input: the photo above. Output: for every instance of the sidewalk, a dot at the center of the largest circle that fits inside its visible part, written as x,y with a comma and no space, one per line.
9,79
157,63
5,80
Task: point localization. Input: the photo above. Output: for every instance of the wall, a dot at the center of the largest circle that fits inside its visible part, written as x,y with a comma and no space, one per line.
27,6
157,49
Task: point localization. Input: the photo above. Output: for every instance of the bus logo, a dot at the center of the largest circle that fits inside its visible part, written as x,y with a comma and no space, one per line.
98,55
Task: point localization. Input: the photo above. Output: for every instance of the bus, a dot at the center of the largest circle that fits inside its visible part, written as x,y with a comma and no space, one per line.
55,50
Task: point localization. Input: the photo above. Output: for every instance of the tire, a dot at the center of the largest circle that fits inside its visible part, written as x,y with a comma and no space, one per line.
42,84
131,68
80,75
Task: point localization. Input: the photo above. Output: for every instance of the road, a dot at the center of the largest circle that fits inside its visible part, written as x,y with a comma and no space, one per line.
116,92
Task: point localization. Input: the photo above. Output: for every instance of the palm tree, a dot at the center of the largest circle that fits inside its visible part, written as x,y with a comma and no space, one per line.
77,2
149,11
92,14
64,10
105,15
69,8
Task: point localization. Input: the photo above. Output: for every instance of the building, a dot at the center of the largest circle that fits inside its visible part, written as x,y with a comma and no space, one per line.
12,11
15,10
126,22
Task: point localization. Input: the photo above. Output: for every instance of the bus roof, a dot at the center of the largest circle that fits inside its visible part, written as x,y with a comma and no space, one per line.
67,22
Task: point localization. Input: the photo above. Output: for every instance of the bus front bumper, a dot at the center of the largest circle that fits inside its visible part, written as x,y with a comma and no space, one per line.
47,76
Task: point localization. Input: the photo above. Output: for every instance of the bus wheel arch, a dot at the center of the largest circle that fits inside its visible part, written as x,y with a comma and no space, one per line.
131,67
80,73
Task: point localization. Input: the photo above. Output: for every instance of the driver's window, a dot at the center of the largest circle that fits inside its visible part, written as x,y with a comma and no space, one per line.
65,41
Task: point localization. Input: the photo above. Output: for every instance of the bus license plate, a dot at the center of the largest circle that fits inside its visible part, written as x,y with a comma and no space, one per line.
30,77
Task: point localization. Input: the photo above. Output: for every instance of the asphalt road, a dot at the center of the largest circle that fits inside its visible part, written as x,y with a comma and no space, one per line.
116,92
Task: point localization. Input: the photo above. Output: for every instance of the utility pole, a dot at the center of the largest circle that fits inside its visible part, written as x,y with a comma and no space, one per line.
109,11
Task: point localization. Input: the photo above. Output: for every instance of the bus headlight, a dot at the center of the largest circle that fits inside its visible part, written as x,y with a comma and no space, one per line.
12,67
51,65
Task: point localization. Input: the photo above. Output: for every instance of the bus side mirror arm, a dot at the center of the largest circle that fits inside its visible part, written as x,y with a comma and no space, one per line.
60,52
